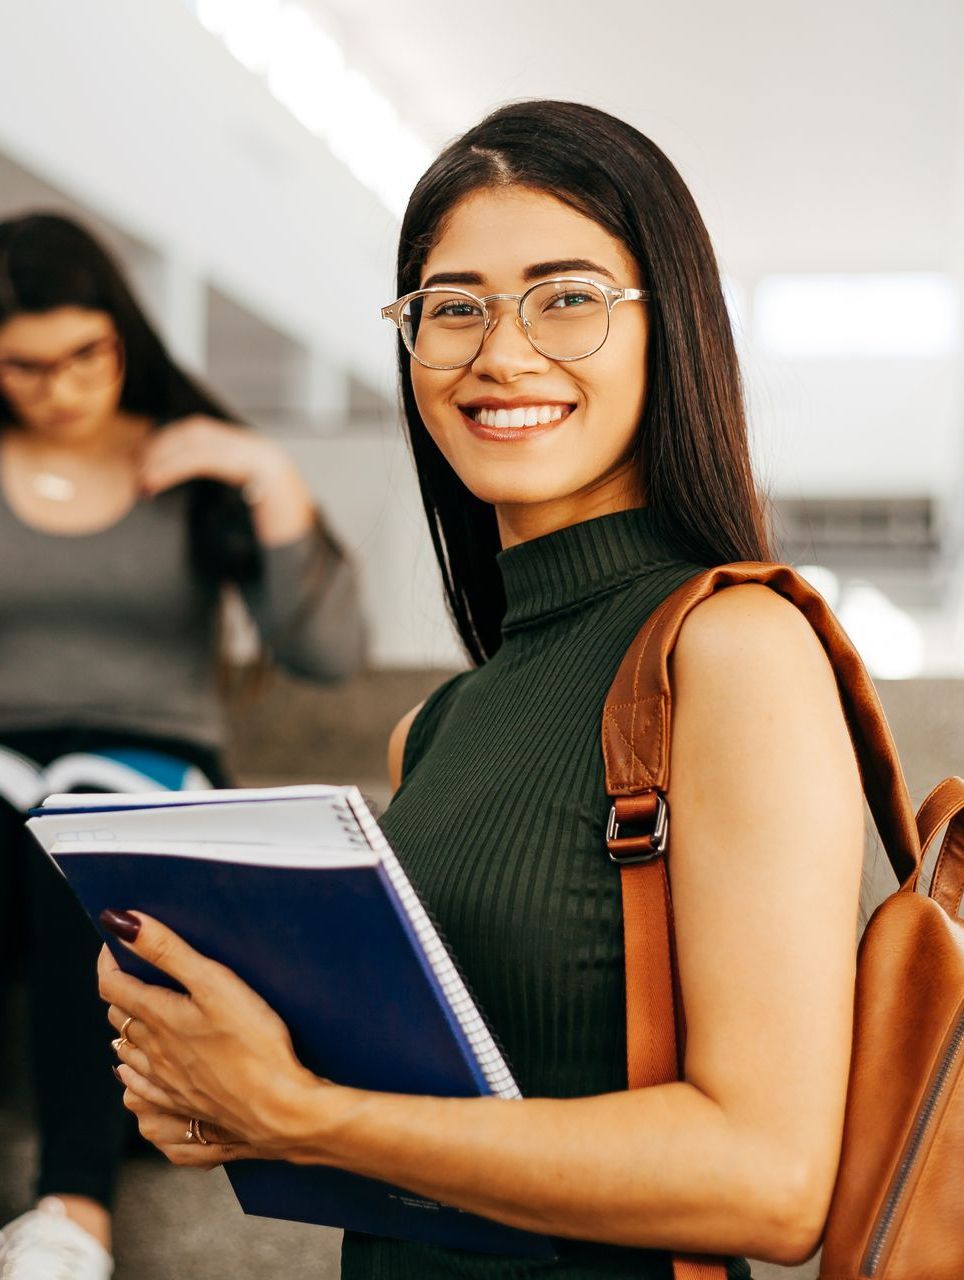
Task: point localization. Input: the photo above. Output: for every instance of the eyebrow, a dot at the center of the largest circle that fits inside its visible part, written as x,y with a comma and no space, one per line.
537,270
15,358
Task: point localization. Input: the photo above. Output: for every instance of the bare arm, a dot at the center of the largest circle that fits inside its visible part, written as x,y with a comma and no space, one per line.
396,746
739,1157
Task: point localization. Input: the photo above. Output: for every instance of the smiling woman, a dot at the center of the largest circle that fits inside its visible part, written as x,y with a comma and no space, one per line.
554,352
573,398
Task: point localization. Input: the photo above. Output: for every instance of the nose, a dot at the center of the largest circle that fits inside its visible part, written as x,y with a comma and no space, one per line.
506,351
62,392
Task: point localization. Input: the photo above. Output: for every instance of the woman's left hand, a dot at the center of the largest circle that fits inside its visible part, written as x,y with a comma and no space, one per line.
217,1053
199,447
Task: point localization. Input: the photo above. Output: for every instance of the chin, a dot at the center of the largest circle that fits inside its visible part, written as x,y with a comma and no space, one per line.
76,431
501,493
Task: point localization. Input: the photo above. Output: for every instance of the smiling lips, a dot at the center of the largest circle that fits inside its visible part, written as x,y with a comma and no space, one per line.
532,415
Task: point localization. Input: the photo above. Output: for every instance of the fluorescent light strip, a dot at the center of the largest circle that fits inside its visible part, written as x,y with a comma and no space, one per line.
306,70
907,315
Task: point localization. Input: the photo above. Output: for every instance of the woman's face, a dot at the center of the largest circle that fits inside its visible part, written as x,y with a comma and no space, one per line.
579,464
61,372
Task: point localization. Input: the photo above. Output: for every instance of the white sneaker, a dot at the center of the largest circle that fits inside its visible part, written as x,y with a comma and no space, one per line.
45,1244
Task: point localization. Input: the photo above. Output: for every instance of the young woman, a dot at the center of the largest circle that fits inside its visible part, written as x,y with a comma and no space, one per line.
128,500
574,402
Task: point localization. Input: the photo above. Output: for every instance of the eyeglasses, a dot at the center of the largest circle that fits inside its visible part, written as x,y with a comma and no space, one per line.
566,318
98,364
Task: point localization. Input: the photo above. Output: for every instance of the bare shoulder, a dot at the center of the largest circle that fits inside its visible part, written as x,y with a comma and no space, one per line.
755,693
747,637
396,746
748,668
746,619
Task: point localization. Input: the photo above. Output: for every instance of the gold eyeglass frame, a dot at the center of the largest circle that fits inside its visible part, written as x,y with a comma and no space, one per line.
612,295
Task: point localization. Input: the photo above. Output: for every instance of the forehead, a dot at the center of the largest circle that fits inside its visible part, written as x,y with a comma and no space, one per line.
51,334
498,232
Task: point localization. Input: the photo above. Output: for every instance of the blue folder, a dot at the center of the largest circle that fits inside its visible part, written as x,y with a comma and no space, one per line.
343,952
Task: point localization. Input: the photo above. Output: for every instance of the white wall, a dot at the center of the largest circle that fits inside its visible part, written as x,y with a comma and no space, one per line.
136,112
366,483
815,137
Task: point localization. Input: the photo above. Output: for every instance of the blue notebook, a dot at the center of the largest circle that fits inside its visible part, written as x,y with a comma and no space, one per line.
298,891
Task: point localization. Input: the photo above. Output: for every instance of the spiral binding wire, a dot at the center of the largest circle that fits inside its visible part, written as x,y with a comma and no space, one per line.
479,1035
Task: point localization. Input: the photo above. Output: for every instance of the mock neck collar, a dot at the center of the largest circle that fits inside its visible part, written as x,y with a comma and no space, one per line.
563,569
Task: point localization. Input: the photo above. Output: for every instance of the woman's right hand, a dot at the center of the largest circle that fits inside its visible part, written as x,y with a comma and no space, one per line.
166,1127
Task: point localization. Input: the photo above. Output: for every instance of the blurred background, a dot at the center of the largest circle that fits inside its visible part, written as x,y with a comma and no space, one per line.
248,161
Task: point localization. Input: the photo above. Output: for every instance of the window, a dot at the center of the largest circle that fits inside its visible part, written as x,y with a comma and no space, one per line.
908,315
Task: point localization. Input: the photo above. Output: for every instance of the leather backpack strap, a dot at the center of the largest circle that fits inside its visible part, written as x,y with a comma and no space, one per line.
637,723
638,713
946,804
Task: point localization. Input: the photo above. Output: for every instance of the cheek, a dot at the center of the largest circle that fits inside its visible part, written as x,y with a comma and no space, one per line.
434,391
102,403
614,384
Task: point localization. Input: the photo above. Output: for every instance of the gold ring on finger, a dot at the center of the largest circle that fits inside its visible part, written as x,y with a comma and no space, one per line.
197,1134
127,1022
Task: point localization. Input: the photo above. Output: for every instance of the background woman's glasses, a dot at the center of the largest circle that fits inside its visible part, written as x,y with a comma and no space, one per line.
566,318
95,365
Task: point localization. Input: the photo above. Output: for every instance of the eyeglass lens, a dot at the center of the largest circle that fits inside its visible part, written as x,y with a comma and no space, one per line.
564,320
97,365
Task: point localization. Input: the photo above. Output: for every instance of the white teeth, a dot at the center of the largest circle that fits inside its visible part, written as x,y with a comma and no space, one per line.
530,416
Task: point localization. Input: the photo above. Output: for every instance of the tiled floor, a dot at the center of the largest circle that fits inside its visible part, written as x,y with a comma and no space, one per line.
179,1224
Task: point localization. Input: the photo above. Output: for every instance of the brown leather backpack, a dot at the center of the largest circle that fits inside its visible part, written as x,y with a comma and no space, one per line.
897,1211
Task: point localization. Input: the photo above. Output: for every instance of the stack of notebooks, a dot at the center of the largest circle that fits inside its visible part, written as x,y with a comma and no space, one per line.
297,890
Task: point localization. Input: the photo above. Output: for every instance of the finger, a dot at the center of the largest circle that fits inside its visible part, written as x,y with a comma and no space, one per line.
147,1002
175,433
187,464
161,947
143,1091
118,1019
197,446
169,1130
129,1054
192,1155
106,964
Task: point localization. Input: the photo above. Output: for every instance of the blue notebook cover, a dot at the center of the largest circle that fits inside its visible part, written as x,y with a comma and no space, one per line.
335,951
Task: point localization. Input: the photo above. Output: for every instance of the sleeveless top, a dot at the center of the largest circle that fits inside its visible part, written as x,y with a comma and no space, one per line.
500,824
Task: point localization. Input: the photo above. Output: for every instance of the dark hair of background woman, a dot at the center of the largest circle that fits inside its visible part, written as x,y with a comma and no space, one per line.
49,261
692,446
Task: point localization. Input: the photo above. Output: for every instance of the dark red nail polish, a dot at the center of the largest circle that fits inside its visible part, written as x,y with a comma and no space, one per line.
122,924
117,1075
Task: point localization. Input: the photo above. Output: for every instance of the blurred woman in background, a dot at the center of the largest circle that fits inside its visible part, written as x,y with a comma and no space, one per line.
129,501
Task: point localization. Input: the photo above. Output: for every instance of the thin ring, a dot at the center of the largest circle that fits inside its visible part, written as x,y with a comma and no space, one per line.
119,1043
196,1134
127,1022
189,1136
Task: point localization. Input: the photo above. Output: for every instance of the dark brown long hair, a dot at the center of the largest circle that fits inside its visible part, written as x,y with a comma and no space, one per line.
692,444
49,261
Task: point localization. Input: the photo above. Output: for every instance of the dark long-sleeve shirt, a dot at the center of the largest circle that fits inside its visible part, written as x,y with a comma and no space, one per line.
111,629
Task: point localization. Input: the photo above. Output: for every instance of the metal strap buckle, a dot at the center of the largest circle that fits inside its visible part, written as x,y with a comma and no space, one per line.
660,836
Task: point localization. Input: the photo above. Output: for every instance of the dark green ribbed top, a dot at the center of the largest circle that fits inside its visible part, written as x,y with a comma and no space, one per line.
500,823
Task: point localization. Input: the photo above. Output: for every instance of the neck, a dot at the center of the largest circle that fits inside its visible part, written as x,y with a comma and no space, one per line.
620,490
